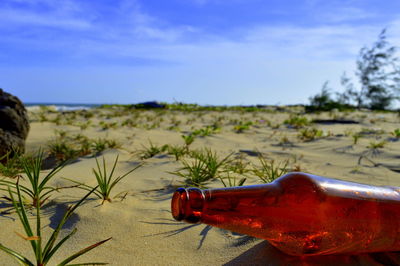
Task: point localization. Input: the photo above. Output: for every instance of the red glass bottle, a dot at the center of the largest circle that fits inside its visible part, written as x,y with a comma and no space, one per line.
300,214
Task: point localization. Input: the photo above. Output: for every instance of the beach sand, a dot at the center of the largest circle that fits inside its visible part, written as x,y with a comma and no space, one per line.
141,226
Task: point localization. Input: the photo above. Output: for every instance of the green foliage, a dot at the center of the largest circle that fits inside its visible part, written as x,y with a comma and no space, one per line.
297,121
374,148
105,180
38,190
206,131
84,125
112,144
212,161
377,145
10,166
396,133
152,150
62,150
284,141
188,140
371,131
309,134
324,101
378,73
45,251
99,145
242,126
194,172
203,167
236,172
177,151
105,126
355,138
65,147
268,171
379,76
232,181
129,123
238,166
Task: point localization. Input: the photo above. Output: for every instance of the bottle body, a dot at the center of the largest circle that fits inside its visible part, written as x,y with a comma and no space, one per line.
301,214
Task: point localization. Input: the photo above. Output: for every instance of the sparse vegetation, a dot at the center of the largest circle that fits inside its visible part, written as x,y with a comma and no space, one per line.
152,150
62,150
396,133
233,181
190,163
376,145
44,253
242,126
203,167
38,190
297,121
309,134
105,180
10,166
177,151
206,131
238,166
188,140
65,147
355,138
269,170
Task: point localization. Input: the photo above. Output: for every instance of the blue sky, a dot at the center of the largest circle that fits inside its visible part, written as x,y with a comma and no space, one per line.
195,51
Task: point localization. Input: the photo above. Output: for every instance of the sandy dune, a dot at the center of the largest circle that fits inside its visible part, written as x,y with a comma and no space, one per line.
142,229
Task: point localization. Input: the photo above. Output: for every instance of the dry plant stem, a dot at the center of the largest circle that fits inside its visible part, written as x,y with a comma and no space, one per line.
44,254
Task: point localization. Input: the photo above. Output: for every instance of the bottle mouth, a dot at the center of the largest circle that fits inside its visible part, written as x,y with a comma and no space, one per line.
187,204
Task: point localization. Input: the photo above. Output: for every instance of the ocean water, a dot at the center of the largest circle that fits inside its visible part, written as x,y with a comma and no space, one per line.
61,106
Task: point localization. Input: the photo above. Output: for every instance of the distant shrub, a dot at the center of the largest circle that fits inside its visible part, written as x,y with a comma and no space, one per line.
297,121
309,134
323,101
396,133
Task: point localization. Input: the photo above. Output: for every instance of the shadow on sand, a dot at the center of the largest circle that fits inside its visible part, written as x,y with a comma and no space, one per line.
265,254
203,233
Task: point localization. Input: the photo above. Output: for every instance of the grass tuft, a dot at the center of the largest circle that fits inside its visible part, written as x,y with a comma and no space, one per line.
45,251
105,180
203,167
10,166
269,170
38,190
152,150
297,121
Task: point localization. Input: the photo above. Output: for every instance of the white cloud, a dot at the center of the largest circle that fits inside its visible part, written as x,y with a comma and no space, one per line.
294,60
345,14
14,17
314,43
65,14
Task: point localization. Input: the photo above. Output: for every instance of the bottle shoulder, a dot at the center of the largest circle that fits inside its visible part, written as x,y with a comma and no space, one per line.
335,187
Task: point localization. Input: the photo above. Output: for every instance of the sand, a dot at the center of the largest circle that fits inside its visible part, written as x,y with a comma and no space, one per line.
141,226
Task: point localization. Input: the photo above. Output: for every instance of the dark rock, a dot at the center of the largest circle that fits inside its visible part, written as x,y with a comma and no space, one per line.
149,105
14,124
334,121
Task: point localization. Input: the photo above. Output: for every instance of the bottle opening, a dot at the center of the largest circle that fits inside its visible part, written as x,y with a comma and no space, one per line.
187,204
177,204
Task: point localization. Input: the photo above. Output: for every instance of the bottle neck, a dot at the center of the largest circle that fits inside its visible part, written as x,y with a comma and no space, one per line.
194,205
187,204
